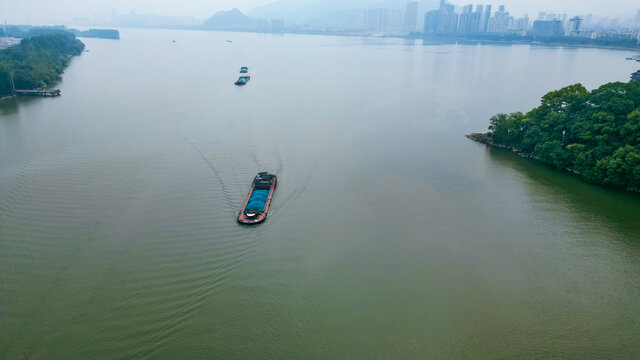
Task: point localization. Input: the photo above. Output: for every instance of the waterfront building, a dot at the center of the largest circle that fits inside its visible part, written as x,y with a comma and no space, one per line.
573,26
411,16
547,28
501,22
465,22
262,25
486,17
469,21
431,22
277,25
521,25
442,21
383,19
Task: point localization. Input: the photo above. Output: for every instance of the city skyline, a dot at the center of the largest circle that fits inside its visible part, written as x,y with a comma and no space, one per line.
64,11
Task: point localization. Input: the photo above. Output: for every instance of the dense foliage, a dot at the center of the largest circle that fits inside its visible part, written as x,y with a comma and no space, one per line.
97,33
37,61
596,134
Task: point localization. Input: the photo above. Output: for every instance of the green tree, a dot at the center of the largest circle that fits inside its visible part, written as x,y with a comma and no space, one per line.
595,133
37,61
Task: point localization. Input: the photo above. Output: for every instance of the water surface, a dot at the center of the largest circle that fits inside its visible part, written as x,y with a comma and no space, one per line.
390,236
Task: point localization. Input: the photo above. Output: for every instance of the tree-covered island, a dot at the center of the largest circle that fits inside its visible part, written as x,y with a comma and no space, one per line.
595,134
37,61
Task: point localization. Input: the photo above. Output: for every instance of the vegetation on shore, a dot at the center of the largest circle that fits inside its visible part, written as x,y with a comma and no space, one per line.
97,33
26,31
595,134
606,42
37,61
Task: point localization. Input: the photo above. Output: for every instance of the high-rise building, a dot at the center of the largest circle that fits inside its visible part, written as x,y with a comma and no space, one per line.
521,25
441,21
476,18
464,23
113,19
501,22
548,28
276,25
383,19
487,16
469,21
411,16
431,22
573,27
448,23
480,12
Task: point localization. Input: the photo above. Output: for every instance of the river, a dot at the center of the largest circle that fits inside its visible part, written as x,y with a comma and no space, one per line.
391,235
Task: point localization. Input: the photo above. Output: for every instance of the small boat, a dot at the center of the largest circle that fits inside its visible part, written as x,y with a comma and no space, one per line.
229,41
242,80
173,41
257,204
244,70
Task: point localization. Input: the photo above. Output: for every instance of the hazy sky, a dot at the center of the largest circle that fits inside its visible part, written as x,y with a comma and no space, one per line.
61,11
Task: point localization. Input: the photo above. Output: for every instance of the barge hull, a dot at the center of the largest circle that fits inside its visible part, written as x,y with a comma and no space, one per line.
243,219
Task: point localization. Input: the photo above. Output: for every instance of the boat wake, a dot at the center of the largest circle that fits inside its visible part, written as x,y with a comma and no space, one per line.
225,191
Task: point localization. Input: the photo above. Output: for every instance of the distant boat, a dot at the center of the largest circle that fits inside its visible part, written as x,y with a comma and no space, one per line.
229,41
258,200
244,70
242,80
173,41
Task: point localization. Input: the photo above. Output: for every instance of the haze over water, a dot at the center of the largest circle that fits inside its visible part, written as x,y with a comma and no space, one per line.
391,236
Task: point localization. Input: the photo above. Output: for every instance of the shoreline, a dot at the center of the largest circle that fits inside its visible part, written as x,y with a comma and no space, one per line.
443,40
467,41
485,139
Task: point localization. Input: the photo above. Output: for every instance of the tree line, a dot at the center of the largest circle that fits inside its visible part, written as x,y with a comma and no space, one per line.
594,133
605,41
37,61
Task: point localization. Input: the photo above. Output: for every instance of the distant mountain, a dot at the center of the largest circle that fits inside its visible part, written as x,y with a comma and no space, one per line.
303,11
232,19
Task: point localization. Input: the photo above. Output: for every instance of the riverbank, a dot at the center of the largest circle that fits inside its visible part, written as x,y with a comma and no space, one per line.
594,133
427,40
36,63
485,139
416,36
464,41
600,43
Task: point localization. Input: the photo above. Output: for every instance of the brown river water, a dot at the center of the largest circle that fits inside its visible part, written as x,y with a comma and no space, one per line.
391,235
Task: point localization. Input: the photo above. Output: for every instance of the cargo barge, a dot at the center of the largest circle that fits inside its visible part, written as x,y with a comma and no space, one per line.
257,203
242,80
